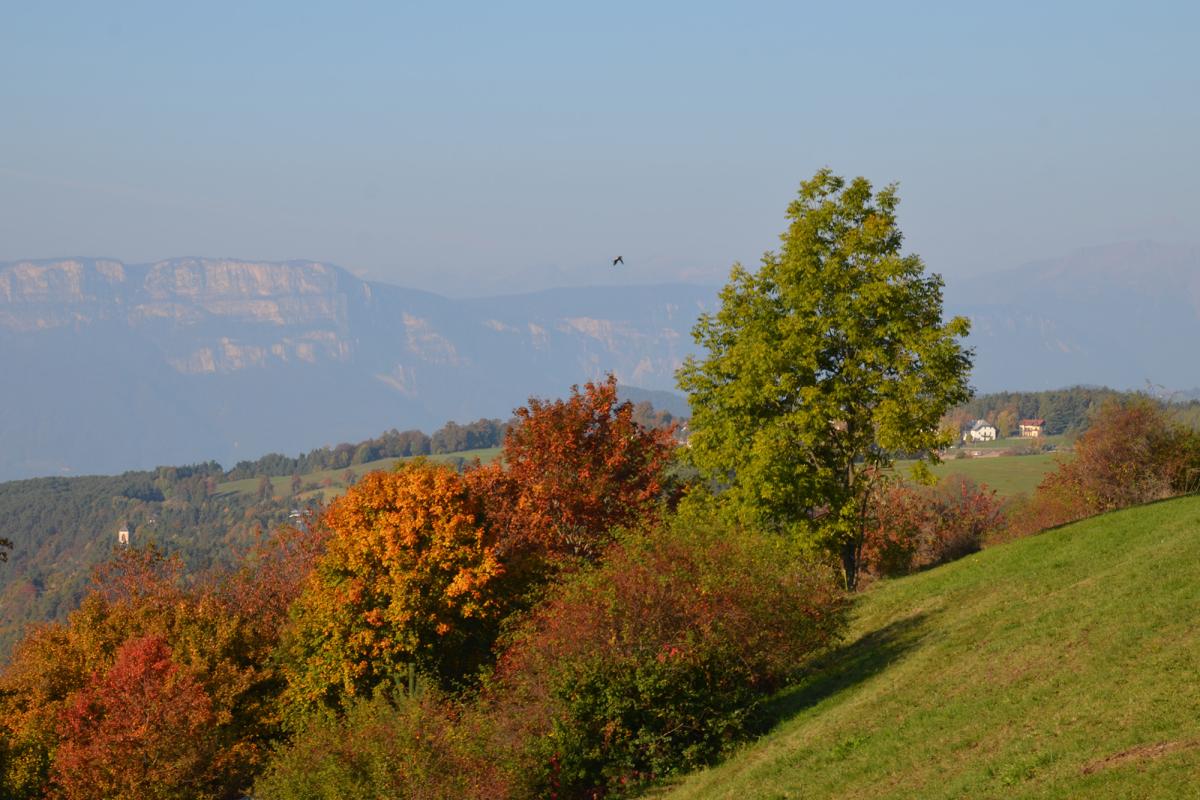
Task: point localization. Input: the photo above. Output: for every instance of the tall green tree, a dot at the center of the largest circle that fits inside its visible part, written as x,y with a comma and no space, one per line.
821,366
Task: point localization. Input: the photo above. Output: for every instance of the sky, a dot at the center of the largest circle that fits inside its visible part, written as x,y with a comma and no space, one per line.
474,148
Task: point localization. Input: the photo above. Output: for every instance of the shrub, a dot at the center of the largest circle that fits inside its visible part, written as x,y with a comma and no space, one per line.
415,747
191,647
917,527
1131,453
651,662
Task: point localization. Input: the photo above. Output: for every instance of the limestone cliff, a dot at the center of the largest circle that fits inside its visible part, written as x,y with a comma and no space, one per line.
106,365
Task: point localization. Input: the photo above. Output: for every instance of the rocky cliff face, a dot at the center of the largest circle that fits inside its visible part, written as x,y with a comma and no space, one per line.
109,366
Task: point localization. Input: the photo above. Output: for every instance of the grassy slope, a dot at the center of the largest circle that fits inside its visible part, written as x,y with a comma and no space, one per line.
1063,665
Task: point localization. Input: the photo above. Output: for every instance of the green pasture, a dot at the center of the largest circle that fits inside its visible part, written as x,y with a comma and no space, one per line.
1008,475
1064,665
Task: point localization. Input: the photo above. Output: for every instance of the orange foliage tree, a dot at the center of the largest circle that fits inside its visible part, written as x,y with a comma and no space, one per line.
411,578
142,730
574,470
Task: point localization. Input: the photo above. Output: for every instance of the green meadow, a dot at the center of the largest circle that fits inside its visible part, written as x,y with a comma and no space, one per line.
1008,475
1063,665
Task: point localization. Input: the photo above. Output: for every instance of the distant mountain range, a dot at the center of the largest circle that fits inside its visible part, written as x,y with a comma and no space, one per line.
1121,315
106,366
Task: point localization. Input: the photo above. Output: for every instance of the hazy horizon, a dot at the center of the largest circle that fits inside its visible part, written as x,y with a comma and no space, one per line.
478,150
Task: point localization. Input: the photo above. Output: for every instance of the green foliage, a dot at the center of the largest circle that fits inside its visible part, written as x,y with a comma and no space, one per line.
450,438
820,365
63,527
1066,410
409,747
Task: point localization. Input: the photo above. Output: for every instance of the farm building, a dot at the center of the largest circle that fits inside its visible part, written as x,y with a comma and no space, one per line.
1033,428
981,431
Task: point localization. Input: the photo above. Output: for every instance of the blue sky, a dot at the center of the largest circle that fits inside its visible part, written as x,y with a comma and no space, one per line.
466,148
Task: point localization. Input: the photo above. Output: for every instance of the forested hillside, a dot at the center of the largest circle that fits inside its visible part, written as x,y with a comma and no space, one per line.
1066,410
61,527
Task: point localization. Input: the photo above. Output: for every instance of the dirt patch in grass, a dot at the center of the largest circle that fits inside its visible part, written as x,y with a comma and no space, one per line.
1144,752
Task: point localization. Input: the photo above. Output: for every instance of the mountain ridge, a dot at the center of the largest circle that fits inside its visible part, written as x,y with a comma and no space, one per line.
107,366
193,359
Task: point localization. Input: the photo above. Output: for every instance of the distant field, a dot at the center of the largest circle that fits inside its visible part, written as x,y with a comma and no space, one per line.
1008,475
1059,666
335,478
1060,440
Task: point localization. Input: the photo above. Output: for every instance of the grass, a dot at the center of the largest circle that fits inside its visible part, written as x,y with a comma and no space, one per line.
282,486
1008,475
1060,666
1014,442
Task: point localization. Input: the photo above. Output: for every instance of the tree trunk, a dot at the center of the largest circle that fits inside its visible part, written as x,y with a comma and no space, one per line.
849,553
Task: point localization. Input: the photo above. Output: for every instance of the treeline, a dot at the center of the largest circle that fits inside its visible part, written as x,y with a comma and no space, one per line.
1067,410
450,438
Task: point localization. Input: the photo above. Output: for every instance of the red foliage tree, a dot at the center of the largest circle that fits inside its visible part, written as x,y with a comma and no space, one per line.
222,629
143,729
574,469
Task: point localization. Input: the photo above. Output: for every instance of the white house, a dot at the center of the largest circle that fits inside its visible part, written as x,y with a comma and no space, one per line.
982,431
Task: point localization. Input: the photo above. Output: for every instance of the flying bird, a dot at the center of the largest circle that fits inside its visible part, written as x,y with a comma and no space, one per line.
618,260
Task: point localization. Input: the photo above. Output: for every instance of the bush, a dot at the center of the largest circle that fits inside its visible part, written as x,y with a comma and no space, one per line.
1132,453
415,748
651,662
917,527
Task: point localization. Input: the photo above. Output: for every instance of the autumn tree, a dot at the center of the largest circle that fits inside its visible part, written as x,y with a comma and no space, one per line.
830,358
1006,421
573,470
221,629
410,578
141,730
1132,452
